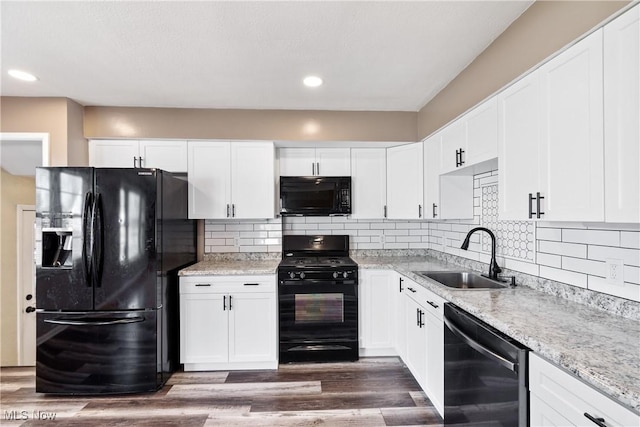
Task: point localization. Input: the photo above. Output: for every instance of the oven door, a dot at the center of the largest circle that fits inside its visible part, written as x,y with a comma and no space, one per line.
318,321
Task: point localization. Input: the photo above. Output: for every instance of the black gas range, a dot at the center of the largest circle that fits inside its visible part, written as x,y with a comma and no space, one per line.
318,299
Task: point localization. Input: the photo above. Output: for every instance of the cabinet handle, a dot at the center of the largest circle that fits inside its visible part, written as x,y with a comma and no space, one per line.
233,210
597,421
135,162
531,198
229,302
418,317
385,211
419,211
140,161
401,288
224,303
412,290
252,284
461,153
434,210
227,210
421,323
538,197
313,168
432,304
203,284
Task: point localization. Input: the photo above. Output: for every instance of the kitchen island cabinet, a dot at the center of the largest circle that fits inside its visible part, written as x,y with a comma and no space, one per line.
228,322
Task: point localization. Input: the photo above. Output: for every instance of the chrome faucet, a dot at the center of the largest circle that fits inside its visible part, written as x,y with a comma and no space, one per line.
493,265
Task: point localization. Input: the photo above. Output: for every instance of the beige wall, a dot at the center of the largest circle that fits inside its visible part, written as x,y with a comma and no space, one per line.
61,118
278,125
541,30
14,191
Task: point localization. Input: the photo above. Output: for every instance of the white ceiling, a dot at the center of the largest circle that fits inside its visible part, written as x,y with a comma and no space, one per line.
372,55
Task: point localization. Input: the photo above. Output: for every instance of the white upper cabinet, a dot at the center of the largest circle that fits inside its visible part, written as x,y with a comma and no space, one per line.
315,161
471,139
622,118
431,151
368,183
405,181
571,138
161,154
231,179
550,139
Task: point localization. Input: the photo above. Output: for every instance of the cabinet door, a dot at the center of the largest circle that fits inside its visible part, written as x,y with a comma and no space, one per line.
333,161
297,161
416,352
400,301
482,132
252,180
432,177
203,329
405,182
377,313
209,175
252,327
518,141
543,415
167,155
453,139
622,118
368,182
434,367
571,143
119,153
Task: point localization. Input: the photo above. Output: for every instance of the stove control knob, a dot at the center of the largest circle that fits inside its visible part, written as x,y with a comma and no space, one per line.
345,274
302,275
335,275
292,275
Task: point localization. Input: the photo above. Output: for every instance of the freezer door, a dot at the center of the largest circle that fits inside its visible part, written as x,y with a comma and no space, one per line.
63,240
97,353
125,272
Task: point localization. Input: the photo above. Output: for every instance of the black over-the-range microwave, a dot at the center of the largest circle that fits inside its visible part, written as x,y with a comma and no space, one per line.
315,195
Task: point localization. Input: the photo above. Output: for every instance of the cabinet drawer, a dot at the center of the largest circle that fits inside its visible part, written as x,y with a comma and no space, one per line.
227,284
571,397
431,302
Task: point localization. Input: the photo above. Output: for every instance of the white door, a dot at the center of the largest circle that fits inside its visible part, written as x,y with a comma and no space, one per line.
572,158
252,179
416,341
297,161
368,183
204,326
333,161
26,282
405,181
398,283
482,132
622,118
117,153
432,177
209,176
518,142
252,327
377,312
167,155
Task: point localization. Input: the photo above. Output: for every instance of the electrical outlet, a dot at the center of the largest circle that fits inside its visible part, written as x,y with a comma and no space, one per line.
615,270
236,241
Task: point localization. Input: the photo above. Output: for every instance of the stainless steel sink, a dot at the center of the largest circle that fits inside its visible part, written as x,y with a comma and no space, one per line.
461,279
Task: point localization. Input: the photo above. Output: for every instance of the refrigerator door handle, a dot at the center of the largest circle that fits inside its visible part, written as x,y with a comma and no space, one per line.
86,257
95,322
97,253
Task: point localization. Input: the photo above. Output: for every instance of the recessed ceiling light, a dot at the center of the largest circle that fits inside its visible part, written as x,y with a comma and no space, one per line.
22,75
312,81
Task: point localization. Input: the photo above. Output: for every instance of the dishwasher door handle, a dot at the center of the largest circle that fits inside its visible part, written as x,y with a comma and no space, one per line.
479,347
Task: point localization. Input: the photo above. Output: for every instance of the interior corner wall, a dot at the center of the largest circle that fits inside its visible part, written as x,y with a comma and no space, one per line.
541,30
77,147
276,125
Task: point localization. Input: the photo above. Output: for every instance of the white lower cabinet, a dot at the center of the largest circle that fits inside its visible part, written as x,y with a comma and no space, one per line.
377,313
228,322
560,399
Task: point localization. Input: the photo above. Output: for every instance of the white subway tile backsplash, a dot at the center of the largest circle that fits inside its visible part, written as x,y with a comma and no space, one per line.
597,237
549,260
630,239
631,274
553,234
628,256
594,268
572,278
559,248
626,290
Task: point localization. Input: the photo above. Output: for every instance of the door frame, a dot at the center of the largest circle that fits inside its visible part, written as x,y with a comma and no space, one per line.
42,137
20,209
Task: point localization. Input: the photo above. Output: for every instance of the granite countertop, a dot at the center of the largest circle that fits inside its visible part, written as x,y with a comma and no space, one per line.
231,267
602,349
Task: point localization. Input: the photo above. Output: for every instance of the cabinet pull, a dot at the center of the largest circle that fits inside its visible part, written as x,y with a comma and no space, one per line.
432,304
229,302
385,211
227,210
461,153
597,421
418,317
412,290
401,288
434,210
313,168
135,162
203,284
140,161
420,323
224,303
318,168
538,197
233,210
419,211
531,198
252,284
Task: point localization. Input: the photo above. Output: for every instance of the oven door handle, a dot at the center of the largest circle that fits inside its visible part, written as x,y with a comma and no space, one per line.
479,347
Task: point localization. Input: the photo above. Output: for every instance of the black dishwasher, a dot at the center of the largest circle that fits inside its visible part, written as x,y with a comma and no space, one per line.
485,374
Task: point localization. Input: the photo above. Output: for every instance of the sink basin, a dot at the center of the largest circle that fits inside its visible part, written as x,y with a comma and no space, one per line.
461,279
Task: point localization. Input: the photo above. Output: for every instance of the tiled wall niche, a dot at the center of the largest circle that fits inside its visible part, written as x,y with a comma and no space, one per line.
572,253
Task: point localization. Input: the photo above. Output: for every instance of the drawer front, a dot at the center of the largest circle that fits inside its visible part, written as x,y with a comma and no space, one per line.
227,284
572,398
431,302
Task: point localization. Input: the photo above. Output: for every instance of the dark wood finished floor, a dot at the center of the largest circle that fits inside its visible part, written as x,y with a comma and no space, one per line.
370,392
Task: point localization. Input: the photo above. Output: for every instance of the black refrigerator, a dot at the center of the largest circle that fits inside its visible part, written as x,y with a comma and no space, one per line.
109,244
